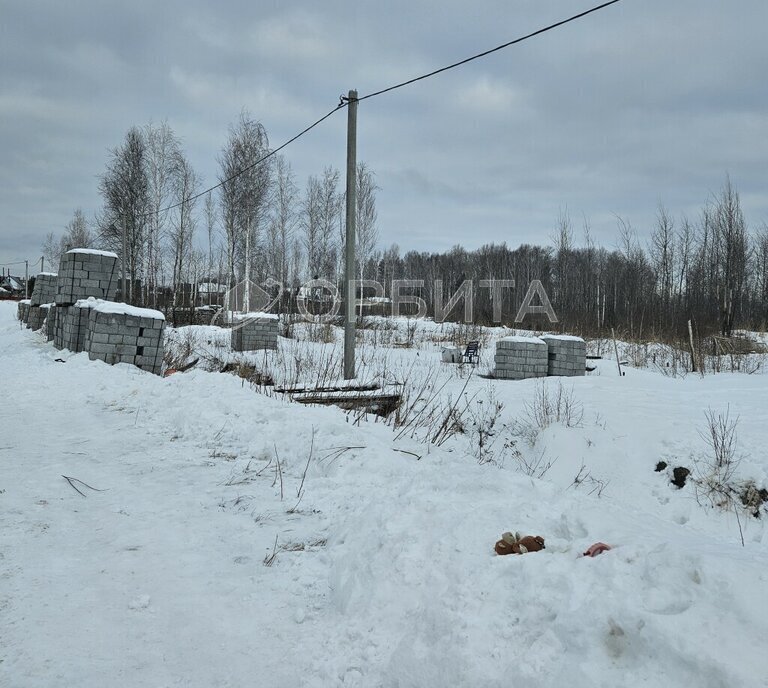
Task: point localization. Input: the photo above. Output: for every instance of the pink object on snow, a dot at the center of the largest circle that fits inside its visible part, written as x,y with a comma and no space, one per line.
597,548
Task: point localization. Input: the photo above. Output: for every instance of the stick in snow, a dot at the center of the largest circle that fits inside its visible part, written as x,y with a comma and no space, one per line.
616,349
269,559
410,453
75,488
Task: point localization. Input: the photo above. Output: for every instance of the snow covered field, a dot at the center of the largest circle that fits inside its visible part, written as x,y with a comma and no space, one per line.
237,539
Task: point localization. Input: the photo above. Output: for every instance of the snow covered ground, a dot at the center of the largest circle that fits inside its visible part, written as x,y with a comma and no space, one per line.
238,539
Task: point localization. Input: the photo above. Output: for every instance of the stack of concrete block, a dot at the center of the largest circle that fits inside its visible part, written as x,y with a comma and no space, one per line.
45,289
567,355
253,331
519,358
50,322
22,312
43,294
71,325
84,273
37,315
119,333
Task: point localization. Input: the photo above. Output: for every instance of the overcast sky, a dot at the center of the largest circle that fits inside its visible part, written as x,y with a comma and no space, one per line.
645,102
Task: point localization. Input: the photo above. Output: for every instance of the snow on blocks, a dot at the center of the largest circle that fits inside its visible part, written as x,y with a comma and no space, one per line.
85,273
567,355
520,358
23,311
119,333
254,331
71,325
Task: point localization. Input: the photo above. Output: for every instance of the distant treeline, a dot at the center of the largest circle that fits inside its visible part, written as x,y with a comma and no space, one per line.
712,269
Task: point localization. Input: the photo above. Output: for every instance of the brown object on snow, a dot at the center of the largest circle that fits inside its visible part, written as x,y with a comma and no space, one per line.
513,543
597,548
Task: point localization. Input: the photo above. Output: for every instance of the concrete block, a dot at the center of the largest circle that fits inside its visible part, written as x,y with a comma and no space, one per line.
567,355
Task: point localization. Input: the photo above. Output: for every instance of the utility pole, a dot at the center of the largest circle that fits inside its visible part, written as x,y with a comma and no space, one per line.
349,267
26,279
125,252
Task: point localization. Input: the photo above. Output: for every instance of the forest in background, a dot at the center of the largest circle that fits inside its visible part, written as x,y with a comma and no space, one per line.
182,245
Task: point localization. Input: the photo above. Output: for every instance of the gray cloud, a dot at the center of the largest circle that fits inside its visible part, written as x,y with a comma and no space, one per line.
645,102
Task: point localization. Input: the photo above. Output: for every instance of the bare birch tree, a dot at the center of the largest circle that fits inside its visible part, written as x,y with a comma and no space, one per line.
367,231
186,184
125,189
77,234
52,249
282,222
228,202
662,258
163,149
330,216
732,249
310,224
210,213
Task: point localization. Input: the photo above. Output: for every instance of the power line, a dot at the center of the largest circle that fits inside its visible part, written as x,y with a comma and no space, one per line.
252,165
492,50
343,101
21,262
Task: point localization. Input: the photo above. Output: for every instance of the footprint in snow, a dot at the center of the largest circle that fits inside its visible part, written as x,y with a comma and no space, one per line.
140,602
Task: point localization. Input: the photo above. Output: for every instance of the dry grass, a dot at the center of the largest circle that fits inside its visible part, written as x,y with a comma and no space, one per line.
548,406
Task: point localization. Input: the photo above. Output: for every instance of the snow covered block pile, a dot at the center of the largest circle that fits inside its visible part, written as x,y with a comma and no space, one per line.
518,358
37,316
23,311
71,325
45,288
253,331
43,294
567,355
85,272
119,333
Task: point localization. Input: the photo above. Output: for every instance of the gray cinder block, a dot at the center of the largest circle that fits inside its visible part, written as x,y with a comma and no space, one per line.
119,333
85,273
252,334
44,290
36,317
567,355
519,358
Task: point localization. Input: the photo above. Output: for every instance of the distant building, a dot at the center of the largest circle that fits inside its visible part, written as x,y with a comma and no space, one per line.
211,293
12,287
